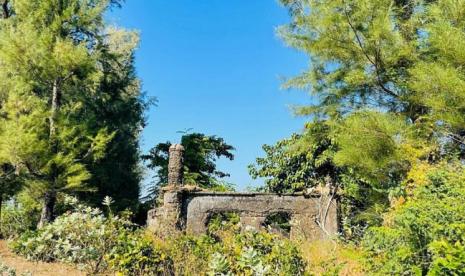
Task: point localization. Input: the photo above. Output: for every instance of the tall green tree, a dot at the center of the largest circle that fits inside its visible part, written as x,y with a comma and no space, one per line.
397,57
387,76
56,71
200,156
121,111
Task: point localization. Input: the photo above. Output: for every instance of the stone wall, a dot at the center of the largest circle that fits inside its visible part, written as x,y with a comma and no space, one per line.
188,209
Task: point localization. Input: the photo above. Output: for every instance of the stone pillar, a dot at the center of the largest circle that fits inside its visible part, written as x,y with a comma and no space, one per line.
175,165
165,220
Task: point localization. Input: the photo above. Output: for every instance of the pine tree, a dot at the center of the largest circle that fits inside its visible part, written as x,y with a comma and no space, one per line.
56,58
369,58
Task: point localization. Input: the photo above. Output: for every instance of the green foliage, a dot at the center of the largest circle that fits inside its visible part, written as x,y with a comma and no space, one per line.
69,89
387,75
86,238
369,142
120,110
233,253
289,167
82,237
200,155
135,254
10,183
17,220
426,234
223,221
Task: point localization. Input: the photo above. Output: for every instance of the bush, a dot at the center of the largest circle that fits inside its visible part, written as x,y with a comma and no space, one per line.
135,254
232,253
17,220
426,234
95,243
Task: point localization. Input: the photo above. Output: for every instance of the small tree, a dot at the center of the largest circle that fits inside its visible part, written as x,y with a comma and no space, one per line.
287,167
200,155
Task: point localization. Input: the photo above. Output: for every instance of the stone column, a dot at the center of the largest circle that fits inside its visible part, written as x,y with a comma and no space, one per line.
165,220
175,165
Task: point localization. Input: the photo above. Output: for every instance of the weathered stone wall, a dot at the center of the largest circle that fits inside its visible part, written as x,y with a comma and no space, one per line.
188,209
253,209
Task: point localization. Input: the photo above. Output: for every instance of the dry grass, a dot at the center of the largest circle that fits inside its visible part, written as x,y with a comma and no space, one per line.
36,268
331,258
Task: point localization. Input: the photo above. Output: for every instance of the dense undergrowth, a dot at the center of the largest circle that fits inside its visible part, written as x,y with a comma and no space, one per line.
422,234
96,243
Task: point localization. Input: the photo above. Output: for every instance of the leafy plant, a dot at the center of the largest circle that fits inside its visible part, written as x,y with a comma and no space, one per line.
135,254
17,220
200,156
234,253
425,234
82,237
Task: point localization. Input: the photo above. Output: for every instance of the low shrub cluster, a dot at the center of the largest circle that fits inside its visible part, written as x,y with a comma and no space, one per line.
97,243
426,234
16,220
94,243
230,252
136,254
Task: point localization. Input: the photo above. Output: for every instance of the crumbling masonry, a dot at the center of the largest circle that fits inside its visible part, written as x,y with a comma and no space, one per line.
188,209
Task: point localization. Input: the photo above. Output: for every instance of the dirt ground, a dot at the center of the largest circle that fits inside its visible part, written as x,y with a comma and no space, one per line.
36,268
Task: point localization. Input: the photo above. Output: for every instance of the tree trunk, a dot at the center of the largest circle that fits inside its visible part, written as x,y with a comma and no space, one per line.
56,95
46,215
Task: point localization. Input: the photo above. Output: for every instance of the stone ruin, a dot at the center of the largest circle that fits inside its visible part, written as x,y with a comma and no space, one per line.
312,216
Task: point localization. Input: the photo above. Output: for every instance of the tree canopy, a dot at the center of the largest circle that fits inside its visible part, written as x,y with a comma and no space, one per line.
387,78
387,81
70,101
200,156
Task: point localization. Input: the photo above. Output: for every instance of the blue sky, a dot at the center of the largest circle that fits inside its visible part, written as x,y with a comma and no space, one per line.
216,66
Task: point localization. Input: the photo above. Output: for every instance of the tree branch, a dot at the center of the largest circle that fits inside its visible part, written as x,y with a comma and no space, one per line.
373,62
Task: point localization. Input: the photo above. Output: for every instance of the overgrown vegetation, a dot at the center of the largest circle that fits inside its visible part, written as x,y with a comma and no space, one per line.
96,243
388,83
426,233
386,135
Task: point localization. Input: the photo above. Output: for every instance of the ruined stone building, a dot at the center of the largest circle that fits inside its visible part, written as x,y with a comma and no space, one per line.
188,209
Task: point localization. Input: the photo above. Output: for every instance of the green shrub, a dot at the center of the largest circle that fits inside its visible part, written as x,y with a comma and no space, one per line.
425,235
233,253
16,220
95,243
223,221
80,237
135,254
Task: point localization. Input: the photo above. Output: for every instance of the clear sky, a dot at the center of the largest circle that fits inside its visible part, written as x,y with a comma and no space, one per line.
216,66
